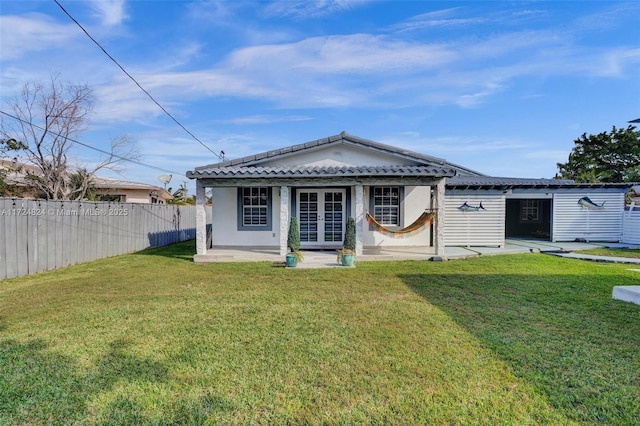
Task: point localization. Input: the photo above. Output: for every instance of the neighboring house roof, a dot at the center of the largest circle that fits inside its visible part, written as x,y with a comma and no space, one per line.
114,184
249,166
17,172
109,183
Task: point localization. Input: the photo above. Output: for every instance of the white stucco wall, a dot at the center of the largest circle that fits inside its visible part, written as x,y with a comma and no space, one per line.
225,222
132,195
226,234
137,196
338,155
416,200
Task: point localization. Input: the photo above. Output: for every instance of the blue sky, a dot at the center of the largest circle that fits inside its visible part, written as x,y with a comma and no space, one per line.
500,87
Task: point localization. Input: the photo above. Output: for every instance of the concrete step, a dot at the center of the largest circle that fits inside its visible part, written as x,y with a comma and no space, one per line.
627,293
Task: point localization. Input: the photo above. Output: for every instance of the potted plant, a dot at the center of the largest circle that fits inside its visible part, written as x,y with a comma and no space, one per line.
293,243
347,254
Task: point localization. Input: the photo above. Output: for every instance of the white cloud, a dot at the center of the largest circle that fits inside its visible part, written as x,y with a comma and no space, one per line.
476,98
302,9
216,12
33,32
455,17
614,63
367,71
438,18
268,119
606,18
109,12
447,146
357,53
356,70
123,101
493,156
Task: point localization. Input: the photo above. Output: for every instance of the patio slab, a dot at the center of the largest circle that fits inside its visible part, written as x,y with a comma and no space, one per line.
612,259
327,258
546,246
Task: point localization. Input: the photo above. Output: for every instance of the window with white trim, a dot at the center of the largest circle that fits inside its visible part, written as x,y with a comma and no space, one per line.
254,208
386,204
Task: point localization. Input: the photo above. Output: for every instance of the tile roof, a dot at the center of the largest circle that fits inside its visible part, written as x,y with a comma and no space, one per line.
321,171
489,182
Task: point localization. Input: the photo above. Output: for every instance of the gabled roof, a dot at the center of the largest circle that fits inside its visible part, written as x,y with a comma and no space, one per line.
250,165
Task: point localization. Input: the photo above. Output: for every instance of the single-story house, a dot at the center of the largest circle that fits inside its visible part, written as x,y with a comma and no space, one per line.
123,191
387,190
107,189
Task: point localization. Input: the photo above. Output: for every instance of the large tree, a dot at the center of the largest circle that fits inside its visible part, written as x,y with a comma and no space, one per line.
9,164
605,157
48,118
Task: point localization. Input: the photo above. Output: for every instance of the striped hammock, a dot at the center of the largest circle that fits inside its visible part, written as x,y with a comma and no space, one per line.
415,228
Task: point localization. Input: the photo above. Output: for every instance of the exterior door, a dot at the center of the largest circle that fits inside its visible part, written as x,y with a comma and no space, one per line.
321,216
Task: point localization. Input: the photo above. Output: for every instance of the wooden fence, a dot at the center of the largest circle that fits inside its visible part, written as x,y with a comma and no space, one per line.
38,235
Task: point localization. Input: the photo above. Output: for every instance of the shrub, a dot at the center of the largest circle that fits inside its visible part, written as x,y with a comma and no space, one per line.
350,235
293,238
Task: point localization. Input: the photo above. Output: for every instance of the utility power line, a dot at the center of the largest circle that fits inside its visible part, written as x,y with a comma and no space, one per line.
220,156
129,160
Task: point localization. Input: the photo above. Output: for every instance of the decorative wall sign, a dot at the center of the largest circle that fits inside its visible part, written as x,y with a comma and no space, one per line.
466,207
587,203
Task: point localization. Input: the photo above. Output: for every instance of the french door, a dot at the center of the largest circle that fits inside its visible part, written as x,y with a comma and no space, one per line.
321,216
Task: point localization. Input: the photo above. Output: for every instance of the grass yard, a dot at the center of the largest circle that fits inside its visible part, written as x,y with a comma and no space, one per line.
153,338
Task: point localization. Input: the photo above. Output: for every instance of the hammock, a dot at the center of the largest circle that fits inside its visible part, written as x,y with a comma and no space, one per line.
416,227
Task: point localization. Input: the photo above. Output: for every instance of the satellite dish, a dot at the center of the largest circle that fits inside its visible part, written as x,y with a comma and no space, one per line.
165,179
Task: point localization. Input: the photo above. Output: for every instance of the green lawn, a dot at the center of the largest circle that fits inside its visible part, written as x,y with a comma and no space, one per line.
153,338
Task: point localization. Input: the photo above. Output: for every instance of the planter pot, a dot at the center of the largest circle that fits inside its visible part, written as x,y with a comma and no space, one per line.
347,259
290,259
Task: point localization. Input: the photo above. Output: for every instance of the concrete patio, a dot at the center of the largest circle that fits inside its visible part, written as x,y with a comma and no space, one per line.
327,258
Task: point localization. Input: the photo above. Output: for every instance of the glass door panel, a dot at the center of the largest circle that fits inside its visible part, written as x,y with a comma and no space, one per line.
308,220
333,223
